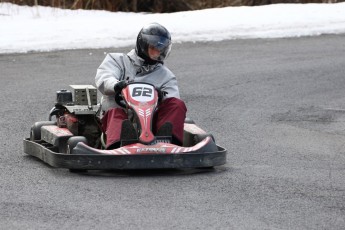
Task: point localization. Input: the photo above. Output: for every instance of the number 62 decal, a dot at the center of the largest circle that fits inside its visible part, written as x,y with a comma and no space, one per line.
142,91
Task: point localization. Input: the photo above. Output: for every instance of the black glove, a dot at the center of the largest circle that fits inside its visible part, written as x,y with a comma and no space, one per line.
120,85
161,94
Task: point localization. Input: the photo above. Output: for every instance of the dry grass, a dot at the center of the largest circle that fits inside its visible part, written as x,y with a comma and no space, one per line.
160,6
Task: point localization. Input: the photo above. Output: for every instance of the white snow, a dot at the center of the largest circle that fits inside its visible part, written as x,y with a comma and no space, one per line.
24,29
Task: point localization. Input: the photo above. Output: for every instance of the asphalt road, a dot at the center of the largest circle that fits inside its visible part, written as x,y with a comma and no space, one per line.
277,105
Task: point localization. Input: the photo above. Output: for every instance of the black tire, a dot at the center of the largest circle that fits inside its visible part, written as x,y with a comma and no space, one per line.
199,137
189,121
206,168
78,170
35,133
73,141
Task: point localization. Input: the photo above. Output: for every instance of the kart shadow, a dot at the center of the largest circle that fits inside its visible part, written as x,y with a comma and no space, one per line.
151,172
134,172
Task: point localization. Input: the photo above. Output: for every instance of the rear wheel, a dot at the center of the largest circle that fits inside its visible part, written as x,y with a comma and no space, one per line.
35,133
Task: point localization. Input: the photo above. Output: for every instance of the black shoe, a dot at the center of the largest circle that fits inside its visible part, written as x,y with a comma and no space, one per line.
128,133
165,130
115,145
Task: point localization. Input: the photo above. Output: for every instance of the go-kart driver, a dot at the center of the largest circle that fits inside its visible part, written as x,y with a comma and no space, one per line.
145,63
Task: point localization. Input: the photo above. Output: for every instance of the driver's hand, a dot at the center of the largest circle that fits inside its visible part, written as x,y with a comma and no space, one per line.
161,94
120,85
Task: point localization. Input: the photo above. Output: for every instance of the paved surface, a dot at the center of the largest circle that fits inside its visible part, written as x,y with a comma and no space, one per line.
277,105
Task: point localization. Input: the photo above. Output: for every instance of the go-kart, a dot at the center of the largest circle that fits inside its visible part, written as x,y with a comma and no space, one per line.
72,136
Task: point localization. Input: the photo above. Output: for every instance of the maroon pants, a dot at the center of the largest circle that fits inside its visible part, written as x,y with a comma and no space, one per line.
171,110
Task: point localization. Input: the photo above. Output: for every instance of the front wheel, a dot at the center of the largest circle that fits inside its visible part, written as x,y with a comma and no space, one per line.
189,121
73,141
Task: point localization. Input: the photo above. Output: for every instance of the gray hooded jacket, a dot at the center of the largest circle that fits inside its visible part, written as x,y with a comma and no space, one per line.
118,66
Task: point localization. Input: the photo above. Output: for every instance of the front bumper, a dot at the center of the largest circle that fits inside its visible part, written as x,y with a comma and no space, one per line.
50,155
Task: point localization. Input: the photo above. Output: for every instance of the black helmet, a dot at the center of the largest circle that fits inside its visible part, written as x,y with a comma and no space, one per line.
154,36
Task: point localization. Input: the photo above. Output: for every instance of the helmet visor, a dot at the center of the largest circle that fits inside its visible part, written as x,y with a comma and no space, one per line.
161,45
